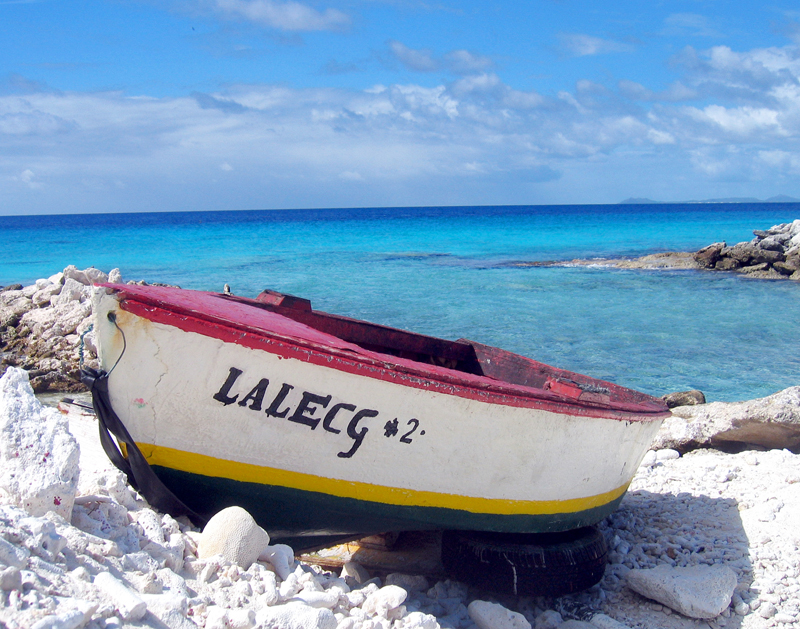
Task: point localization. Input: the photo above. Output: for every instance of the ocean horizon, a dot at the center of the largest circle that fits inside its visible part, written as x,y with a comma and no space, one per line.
450,272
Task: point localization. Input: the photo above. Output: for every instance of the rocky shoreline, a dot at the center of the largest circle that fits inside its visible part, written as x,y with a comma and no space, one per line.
774,254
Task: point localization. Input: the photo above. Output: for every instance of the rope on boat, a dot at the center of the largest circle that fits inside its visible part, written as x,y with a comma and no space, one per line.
80,350
113,318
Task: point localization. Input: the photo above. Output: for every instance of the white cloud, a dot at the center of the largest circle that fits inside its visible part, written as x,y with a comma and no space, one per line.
781,161
676,92
461,62
480,83
424,100
288,16
740,121
692,24
752,76
465,62
25,120
581,45
660,137
226,167
28,178
417,60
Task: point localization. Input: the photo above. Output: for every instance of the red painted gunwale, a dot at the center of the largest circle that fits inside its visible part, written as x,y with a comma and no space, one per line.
245,322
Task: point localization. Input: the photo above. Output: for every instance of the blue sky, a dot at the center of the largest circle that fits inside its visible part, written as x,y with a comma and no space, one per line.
127,105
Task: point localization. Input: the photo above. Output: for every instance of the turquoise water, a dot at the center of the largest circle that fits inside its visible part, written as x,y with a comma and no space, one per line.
444,271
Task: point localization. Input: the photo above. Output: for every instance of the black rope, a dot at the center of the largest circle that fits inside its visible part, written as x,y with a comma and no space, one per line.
113,318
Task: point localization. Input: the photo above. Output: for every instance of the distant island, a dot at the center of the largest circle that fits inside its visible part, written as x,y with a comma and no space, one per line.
781,198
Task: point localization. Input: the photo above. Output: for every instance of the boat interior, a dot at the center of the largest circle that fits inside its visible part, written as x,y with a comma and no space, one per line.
461,355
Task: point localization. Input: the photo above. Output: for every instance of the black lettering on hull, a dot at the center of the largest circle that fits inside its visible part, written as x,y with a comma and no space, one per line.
222,394
309,410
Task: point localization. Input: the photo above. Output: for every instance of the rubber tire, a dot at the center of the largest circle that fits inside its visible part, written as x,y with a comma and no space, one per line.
546,564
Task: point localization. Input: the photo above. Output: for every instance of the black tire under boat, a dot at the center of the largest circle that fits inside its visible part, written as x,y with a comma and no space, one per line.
545,564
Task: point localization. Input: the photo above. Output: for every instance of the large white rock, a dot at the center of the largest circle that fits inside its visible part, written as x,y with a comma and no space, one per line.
694,591
771,422
73,290
494,616
43,296
13,303
59,320
85,277
39,458
234,534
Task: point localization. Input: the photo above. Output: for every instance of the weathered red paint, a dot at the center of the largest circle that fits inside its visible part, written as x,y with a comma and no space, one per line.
288,327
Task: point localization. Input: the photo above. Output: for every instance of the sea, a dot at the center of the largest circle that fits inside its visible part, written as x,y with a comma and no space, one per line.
451,272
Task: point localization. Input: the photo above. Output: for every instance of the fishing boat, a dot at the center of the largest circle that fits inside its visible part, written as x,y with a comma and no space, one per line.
328,427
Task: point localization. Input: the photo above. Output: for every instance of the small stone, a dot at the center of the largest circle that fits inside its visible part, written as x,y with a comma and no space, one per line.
327,600
601,621
384,600
767,610
241,619
650,459
281,557
355,571
494,616
786,619
549,619
410,583
10,579
11,555
70,619
418,620
295,616
128,603
696,591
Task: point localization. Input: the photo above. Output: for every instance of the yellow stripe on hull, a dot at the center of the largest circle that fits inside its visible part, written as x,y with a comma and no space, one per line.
204,465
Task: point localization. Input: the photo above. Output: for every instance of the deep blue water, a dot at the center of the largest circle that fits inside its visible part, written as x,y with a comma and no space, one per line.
443,271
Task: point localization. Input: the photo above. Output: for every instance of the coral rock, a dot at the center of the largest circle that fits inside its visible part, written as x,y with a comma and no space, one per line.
234,534
39,458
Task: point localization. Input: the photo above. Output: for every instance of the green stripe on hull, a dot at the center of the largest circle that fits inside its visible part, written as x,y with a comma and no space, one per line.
288,514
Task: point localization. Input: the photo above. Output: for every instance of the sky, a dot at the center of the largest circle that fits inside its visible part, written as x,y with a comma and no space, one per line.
173,105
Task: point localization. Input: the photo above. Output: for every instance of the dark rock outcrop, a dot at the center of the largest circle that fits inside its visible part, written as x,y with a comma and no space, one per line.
773,254
684,398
